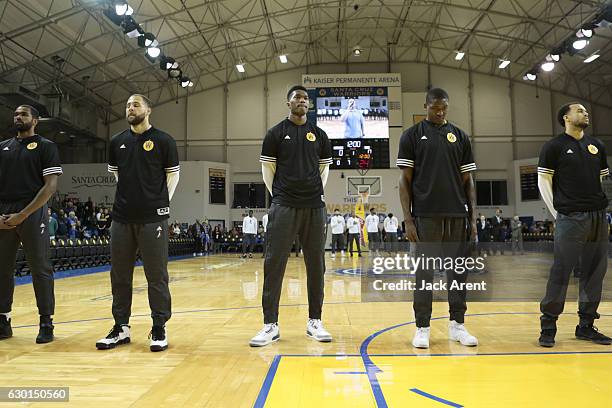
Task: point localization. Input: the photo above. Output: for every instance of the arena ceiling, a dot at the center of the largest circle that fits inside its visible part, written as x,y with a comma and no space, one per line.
70,46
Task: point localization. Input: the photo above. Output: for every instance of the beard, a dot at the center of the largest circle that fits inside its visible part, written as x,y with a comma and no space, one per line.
23,127
136,119
582,125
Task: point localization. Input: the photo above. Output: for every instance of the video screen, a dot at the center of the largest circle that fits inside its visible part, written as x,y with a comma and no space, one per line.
344,113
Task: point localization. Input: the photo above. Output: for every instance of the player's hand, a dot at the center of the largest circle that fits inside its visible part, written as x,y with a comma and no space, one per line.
3,225
473,232
411,231
13,220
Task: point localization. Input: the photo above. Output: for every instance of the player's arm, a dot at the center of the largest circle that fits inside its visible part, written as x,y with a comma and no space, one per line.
547,164
405,161
545,185
41,198
268,160
470,194
325,158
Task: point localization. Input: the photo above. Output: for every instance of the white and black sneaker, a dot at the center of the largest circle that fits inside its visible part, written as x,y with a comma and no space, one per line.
119,334
315,329
159,338
269,334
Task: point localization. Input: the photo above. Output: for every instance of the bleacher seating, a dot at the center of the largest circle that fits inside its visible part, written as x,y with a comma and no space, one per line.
76,254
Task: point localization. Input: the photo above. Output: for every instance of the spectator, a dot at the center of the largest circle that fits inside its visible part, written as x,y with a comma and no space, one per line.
52,225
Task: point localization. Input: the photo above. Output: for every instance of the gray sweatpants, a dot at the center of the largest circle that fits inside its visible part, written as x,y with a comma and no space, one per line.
578,236
283,225
152,241
34,234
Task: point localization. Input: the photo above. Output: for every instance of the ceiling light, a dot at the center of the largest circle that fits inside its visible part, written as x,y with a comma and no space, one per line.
147,40
240,67
356,51
553,57
530,76
123,9
592,57
185,82
580,44
153,52
174,73
503,63
112,16
459,56
283,58
166,63
548,66
131,28
584,33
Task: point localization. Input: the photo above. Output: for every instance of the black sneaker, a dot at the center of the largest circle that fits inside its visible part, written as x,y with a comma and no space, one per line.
590,333
547,337
45,331
5,328
159,340
119,334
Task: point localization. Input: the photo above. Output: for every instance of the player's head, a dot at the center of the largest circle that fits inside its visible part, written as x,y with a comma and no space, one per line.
436,103
390,215
372,211
137,109
250,213
336,212
297,100
26,118
573,114
482,217
498,212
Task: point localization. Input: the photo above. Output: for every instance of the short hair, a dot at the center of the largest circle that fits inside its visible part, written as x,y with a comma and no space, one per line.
435,93
563,110
146,100
372,209
33,111
337,209
295,88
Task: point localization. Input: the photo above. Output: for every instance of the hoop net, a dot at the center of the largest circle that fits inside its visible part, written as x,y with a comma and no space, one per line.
364,196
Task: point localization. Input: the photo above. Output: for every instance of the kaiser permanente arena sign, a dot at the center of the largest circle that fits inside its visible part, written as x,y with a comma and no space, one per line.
350,80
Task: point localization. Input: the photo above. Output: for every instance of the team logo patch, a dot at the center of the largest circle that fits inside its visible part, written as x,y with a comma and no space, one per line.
593,149
311,137
32,146
163,211
148,145
451,137
322,92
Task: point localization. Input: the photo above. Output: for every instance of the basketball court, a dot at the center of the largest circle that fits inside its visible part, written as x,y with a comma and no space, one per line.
370,363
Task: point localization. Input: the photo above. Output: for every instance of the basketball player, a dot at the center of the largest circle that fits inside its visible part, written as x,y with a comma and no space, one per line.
570,170
145,162
249,232
372,222
295,158
29,168
438,208
337,224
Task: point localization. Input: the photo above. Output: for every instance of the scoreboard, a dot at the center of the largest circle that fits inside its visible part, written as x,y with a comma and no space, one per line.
360,153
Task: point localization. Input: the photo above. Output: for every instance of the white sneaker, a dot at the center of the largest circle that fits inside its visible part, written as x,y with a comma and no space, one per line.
458,332
159,338
333,255
315,329
269,334
343,254
421,338
119,334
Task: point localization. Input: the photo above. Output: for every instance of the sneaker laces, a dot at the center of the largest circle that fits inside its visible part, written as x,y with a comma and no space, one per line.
157,333
266,328
114,331
422,330
316,323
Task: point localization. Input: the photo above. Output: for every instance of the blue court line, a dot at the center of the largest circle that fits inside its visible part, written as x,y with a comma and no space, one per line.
24,280
350,372
267,384
433,397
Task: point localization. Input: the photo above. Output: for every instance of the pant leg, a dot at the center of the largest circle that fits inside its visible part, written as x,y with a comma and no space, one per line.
265,234
282,227
594,268
312,237
153,244
454,246
123,245
429,231
9,243
392,241
34,235
570,235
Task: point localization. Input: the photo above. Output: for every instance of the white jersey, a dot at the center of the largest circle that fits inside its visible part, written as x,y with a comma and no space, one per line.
391,224
264,222
249,225
372,223
353,225
337,224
